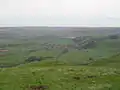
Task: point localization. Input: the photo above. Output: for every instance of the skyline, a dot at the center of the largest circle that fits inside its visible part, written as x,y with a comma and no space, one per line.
80,13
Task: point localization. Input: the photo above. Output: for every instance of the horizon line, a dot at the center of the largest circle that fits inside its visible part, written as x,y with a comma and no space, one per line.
63,26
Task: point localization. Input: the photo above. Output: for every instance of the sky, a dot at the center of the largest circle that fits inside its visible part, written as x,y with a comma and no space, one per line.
98,13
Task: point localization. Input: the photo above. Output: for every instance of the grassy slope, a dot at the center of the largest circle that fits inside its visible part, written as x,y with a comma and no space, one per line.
60,77
101,75
113,61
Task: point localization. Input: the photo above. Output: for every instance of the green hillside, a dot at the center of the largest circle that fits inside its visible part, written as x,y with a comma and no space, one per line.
48,58
113,61
60,77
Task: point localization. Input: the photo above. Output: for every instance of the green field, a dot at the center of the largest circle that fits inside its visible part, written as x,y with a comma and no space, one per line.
21,51
92,68
60,77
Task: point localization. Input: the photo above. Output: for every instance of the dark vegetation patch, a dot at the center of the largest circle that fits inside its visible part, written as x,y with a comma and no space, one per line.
40,87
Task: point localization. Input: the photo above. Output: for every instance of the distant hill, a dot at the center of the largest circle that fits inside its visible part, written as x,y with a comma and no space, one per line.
59,31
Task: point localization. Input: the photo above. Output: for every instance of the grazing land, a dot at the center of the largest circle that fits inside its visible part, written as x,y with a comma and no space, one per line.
61,58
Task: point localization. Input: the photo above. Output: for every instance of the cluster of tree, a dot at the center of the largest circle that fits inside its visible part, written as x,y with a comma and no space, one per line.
64,51
49,46
90,44
35,58
28,60
32,50
114,36
84,42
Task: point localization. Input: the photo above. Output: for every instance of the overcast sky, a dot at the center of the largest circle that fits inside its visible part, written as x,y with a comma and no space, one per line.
60,12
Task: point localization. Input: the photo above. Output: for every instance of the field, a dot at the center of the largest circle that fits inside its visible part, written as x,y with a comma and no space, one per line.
19,52
59,62
60,77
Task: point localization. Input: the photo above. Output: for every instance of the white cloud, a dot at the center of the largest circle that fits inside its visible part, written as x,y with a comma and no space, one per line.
59,12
